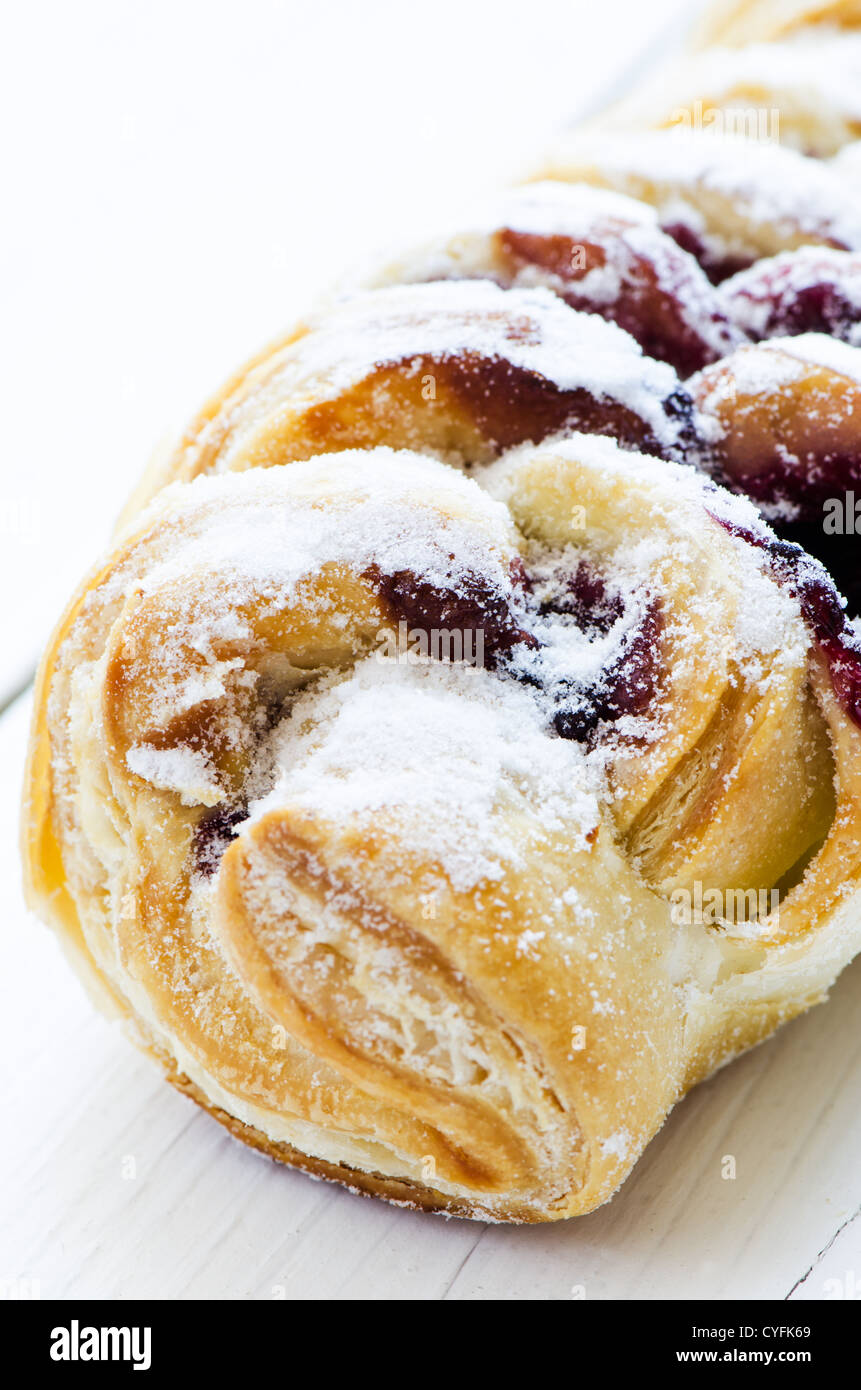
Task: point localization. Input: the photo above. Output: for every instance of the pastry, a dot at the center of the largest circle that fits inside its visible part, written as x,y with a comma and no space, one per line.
463,370
812,290
414,919
803,91
599,251
736,23
726,200
457,755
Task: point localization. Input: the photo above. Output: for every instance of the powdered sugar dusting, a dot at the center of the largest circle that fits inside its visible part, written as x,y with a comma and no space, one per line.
617,1145
822,351
769,291
778,364
440,754
625,229
179,769
821,72
531,329
769,184
348,509
679,506
761,369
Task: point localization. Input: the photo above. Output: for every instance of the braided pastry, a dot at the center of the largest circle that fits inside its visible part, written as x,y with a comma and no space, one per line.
458,754
460,370
804,90
726,201
736,23
600,252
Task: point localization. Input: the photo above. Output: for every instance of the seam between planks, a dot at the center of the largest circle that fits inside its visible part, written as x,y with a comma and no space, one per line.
844,1225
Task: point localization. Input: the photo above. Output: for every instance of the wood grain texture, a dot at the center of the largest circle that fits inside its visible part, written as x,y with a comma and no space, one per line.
111,1184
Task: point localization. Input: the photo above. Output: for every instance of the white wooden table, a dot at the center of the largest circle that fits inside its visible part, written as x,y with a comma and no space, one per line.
184,178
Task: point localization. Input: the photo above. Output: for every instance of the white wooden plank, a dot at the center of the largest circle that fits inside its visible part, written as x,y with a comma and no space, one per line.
835,1274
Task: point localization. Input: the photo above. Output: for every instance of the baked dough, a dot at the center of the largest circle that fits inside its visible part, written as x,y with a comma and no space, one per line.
377,910
462,370
729,201
599,251
448,767
735,23
803,91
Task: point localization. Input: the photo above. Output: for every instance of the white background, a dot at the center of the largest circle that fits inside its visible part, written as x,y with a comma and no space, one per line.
179,180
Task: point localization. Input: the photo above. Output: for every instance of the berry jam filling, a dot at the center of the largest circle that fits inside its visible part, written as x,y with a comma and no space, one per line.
584,597
475,606
590,652
787,437
840,554
213,833
821,606
627,683
807,291
821,308
801,485
648,306
691,447
809,501
717,268
512,405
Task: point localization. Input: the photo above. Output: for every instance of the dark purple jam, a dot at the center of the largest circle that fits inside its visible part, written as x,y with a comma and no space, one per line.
510,404
474,605
627,686
806,485
839,554
822,305
717,268
586,599
212,835
643,306
821,606
624,687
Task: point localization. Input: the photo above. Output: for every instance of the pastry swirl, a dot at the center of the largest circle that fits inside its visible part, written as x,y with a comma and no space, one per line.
334,879
461,370
457,756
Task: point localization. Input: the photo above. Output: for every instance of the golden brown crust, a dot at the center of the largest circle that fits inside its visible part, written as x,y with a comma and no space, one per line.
414,925
402,1194
769,70
302,987
735,23
463,371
